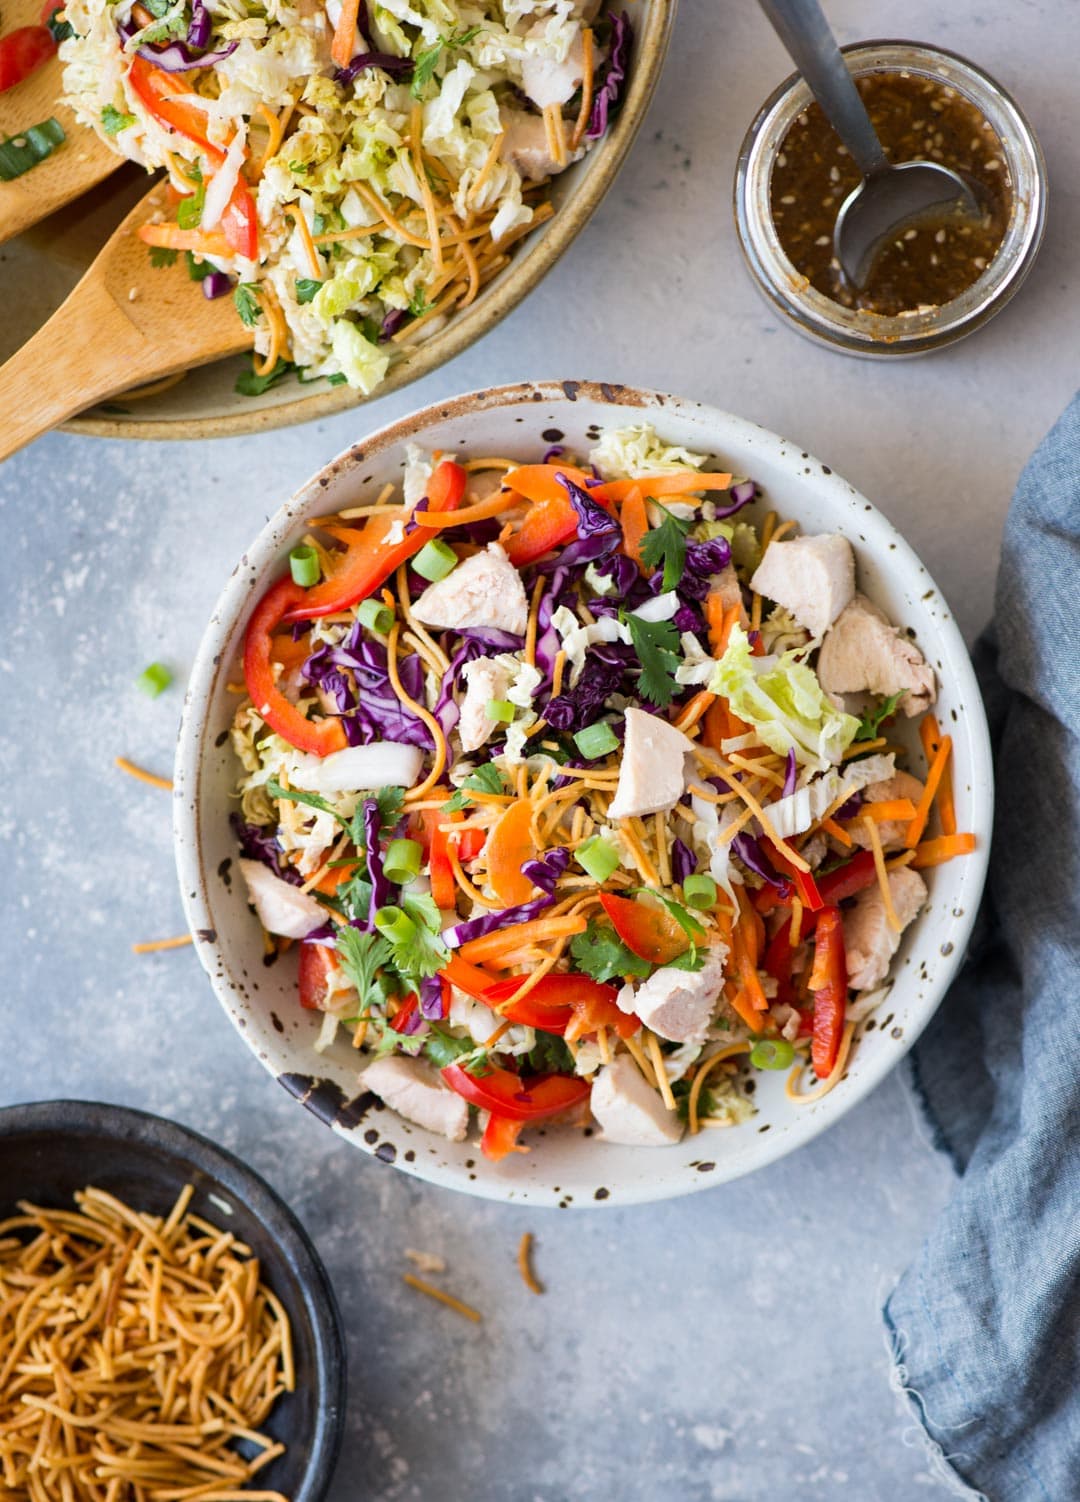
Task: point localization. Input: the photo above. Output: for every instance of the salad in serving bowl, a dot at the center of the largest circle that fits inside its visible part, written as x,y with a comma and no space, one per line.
577,787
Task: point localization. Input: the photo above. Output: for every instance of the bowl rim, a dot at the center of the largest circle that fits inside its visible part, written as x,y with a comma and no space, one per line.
250,576
526,270
175,1143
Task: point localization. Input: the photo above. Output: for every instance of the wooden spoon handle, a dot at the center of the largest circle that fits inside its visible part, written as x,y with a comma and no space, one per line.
61,370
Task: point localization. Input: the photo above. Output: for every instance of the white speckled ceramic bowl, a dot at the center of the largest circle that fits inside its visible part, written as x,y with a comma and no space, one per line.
565,1167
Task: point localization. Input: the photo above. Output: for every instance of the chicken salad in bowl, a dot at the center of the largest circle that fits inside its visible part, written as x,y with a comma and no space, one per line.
574,789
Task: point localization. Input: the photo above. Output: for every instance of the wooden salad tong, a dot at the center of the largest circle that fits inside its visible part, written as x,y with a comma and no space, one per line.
126,323
78,163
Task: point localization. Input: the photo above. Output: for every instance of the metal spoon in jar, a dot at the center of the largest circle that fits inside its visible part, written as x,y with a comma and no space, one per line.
889,197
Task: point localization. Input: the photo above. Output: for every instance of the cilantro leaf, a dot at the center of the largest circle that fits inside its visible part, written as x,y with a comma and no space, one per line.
443,1048
306,288
160,256
312,800
189,210
246,299
391,801
426,61
354,895
361,955
871,720
549,1055
690,959
250,384
600,952
486,779
337,379
666,545
197,270
62,29
418,303
113,121
655,643
424,952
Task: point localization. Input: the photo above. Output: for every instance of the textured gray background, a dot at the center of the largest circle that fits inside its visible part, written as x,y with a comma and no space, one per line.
726,1346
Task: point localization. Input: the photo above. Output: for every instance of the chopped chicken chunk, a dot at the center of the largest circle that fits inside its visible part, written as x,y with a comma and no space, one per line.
893,832
678,1004
281,908
484,591
629,1110
485,680
547,80
525,145
652,774
864,652
813,578
413,1089
868,940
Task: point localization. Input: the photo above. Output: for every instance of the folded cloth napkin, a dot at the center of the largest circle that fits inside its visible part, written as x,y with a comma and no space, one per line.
985,1325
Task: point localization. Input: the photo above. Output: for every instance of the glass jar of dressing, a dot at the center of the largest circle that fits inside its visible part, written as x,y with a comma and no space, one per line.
934,283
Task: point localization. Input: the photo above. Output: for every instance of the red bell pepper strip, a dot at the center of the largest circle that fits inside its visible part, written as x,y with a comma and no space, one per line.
778,962
399,1021
172,104
240,223
806,888
318,736
316,963
22,52
507,1094
828,982
436,847
570,1005
847,880
646,928
546,525
468,978
369,558
501,1138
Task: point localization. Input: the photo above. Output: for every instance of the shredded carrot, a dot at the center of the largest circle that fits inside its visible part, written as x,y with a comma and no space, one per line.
315,266
795,930
634,519
936,852
490,946
763,819
900,809
830,826
528,1277
933,780
695,710
341,49
152,946
882,875
587,77
434,521
531,629
275,124
443,1298
264,364
137,772
930,735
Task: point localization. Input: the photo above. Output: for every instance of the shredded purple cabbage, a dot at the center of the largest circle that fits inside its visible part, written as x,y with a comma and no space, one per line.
601,676
599,533
790,774
703,560
556,451
216,284
545,872
399,68
489,923
325,934
377,714
414,1022
741,495
497,641
181,57
198,32
623,573
391,323
258,843
431,998
683,861
849,809
381,890
749,851
607,95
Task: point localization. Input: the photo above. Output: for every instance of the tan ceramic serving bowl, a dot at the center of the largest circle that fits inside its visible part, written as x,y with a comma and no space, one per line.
42,267
564,1166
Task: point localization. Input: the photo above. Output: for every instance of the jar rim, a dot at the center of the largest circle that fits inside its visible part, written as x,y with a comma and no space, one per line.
857,331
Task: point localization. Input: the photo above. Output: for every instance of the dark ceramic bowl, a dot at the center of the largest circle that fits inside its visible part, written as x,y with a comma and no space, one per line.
50,1149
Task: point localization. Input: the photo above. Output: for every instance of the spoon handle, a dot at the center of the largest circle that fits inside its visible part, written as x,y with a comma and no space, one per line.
804,31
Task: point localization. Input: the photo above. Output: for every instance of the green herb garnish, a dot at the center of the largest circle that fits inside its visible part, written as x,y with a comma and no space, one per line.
656,644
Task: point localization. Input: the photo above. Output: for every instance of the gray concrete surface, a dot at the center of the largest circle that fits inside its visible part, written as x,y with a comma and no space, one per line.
722,1349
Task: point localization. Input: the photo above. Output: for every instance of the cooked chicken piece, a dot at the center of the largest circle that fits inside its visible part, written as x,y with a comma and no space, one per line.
281,908
678,1004
863,651
485,680
652,774
525,145
629,1110
813,578
726,585
413,1089
868,940
547,80
483,591
892,831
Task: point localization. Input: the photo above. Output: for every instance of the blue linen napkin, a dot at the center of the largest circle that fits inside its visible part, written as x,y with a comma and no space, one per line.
985,1325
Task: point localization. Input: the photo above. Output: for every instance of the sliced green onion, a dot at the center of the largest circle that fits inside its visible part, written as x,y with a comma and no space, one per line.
499,709
19,153
435,560
598,857
402,860
155,680
596,740
772,1053
699,891
305,566
375,616
395,925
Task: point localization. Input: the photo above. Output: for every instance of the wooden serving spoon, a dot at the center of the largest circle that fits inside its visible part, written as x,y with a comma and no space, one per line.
125,324
77,164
